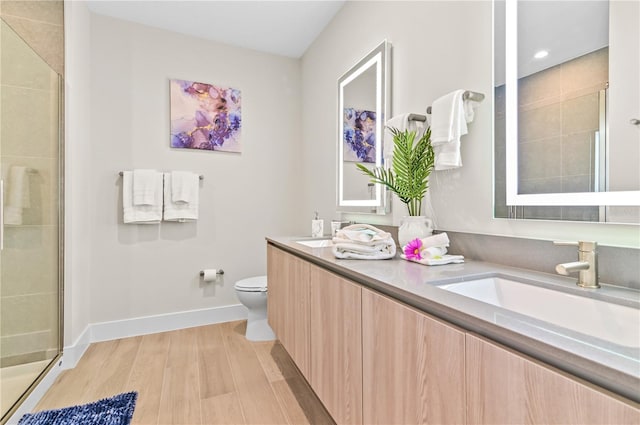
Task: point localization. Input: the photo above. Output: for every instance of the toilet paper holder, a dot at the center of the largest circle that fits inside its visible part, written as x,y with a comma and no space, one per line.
219,271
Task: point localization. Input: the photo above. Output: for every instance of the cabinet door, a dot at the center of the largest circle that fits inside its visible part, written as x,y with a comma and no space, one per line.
288,304
504,387
413,365
336,344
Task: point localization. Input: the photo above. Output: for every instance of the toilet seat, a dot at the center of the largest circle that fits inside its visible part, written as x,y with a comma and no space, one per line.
252,284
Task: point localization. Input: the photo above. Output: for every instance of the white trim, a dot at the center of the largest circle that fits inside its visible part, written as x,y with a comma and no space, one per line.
73,353
39,391
117,329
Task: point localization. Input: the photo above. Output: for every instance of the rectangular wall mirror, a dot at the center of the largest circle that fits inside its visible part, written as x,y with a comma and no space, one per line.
363,105
567,97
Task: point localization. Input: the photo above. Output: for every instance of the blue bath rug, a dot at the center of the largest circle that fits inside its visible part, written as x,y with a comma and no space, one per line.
117,410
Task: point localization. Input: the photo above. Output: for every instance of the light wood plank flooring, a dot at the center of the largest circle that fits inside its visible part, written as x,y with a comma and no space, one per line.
204,375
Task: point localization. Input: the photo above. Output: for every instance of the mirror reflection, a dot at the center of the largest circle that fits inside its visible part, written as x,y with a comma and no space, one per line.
562,141
362,107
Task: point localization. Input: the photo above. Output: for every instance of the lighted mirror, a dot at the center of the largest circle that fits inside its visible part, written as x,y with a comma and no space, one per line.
363,105
567,97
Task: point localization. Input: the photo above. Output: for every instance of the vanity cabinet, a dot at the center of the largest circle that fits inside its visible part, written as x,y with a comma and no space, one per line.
413,365
505,387
336,344
288,304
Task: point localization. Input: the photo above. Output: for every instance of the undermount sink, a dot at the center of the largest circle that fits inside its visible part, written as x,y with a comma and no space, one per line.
614,323
316,243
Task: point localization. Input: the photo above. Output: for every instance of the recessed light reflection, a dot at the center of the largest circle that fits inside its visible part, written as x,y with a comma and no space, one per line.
541,54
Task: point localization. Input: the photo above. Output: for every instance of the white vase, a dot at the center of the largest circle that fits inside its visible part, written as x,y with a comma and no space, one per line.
412,227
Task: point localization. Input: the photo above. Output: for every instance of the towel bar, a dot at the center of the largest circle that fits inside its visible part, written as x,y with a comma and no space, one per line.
121,173
417,117
467,95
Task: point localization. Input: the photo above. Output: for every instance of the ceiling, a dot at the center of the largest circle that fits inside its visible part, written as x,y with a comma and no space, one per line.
280,27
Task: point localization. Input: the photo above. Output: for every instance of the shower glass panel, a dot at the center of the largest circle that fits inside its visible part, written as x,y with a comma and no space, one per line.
30,107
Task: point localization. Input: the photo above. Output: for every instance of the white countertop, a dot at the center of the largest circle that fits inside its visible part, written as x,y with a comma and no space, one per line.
611,366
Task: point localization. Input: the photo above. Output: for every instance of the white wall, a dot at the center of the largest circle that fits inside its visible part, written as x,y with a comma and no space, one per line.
78,199
437,46
140,270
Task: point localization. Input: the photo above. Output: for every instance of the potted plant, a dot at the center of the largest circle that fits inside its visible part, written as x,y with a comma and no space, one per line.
408,178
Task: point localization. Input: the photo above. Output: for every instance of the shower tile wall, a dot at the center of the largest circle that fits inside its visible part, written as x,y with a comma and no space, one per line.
29,271
558,115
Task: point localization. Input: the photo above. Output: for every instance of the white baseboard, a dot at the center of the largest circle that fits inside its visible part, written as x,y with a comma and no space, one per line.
117,329
73,353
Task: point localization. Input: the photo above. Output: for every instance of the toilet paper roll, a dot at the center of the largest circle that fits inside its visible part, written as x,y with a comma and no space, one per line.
209,275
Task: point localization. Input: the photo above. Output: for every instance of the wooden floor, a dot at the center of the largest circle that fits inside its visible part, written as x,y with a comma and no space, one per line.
205,375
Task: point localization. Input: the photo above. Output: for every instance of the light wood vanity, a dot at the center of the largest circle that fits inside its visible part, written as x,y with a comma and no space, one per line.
372,359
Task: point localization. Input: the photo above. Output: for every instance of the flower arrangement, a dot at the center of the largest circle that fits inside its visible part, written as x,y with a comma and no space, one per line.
412,163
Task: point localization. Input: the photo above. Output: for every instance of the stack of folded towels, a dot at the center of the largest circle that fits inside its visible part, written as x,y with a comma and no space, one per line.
363,242
431,251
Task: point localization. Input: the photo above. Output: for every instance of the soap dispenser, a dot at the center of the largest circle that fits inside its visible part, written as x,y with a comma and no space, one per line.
317,226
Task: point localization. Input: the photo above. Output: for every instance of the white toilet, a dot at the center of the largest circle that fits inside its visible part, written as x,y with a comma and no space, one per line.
252,293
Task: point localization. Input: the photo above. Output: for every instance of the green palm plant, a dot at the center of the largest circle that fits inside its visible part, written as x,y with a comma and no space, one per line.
412,163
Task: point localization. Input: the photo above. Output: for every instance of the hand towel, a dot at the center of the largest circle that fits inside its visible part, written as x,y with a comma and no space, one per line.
448,121
363,242
18,195
141,214
184,186
439,240
363,234
402,123
446,259
382,251
144,187
178,211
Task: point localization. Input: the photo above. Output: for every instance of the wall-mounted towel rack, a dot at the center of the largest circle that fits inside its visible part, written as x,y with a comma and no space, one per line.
121,173
467,95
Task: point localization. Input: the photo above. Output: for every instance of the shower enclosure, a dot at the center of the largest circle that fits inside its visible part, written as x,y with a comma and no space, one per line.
31,257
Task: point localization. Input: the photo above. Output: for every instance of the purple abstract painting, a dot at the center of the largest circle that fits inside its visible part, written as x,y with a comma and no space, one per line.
205,116
359,135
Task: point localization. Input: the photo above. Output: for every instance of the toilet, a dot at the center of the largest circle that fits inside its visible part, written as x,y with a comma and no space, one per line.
252,293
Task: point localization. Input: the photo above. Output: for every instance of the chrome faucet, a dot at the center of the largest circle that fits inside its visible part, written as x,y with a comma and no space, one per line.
587,264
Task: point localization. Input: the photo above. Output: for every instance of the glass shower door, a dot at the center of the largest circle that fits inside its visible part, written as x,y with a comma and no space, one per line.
30,320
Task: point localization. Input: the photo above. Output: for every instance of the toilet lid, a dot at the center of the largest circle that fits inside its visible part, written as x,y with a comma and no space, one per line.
257,283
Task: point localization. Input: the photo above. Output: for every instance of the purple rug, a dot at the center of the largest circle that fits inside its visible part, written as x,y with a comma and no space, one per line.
116,410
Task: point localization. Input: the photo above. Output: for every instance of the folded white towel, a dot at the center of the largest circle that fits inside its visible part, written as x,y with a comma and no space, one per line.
363,234
402,123
446,259
178,211
144,187
363,242
141,214
434,252
354,251
18,195
184,186
439,240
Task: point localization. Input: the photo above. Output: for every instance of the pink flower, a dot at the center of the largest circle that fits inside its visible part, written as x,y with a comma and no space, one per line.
413,249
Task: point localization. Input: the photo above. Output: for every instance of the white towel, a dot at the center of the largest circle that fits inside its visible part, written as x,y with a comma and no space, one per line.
362,234
446,259
178,211
449,117
439,240
402,123
184,186
18,195
363,242
144,187
141,214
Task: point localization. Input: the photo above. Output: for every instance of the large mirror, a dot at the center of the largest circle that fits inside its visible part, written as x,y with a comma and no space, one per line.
567,100
363,105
